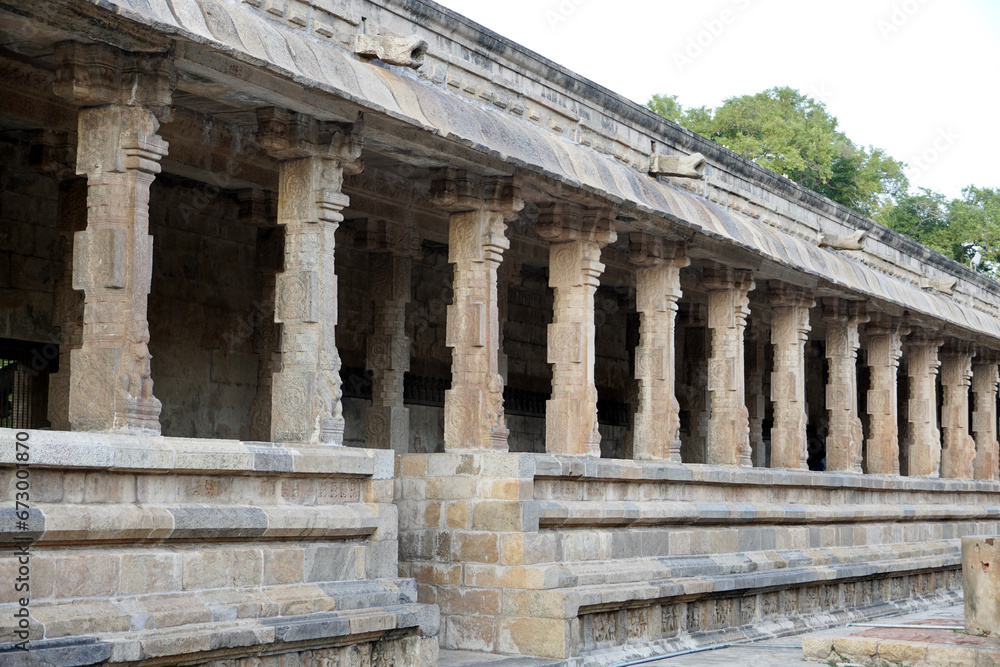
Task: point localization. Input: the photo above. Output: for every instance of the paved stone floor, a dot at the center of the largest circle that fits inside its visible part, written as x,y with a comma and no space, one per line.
779,652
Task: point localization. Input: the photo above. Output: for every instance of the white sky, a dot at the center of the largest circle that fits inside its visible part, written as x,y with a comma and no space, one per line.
919,78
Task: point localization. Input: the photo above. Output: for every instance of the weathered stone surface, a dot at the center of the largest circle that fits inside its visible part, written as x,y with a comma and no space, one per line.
789,332
883,345
845,437
924,451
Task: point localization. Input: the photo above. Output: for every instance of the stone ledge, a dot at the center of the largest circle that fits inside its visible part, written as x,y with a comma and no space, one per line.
174,611
591,469
51,523
160,454
230,639
608,513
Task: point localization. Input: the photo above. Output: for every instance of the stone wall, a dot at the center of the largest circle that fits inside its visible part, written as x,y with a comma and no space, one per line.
202,305
30,248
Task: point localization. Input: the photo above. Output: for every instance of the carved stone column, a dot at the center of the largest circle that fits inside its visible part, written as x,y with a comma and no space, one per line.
258,208
755,347
473,407
984,417
576,237
658,286
789,331
958,449
924,453
314,156
728,420
55,153
883,341
845,438
509,274
391,249
123,98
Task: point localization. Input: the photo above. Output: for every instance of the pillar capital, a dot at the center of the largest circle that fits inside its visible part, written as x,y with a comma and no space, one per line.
721,277
289,135
457,190
93,75
781,294
844,311
647,250
562,222
923,338
880,324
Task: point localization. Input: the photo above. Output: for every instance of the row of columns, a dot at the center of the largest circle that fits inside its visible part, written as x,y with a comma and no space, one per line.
109,388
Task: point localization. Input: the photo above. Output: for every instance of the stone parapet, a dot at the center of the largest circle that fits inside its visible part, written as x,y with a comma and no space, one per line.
149,547
564,557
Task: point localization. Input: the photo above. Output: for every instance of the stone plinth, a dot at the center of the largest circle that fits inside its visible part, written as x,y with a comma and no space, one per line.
576,236
189,551
728,418
981,584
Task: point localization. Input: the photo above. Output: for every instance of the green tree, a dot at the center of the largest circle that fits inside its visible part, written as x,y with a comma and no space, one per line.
794,135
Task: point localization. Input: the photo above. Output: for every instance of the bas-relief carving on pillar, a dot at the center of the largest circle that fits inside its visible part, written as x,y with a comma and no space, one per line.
55,153
692,394
757,334
844,440
789,332
123,97
576,236
473,407
391,248
958,449
656,435
883,343
314,157
258,208
984,417
729,420
924,450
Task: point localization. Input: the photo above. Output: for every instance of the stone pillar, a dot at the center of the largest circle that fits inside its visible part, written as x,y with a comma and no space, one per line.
123,97
391,248
473,407
756,399
845,437
576,236
924,452
883,343
789,332
656,431
509,274
314,156
258,208
958,449
728,420
984,417
55,153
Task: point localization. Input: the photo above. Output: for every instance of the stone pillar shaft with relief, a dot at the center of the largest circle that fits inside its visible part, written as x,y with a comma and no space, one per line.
480,208
123,97
756,361
984,417
391,248
789,332
958,450
924,453
729,420
656,434
845,438
884,347
314,156
576,236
